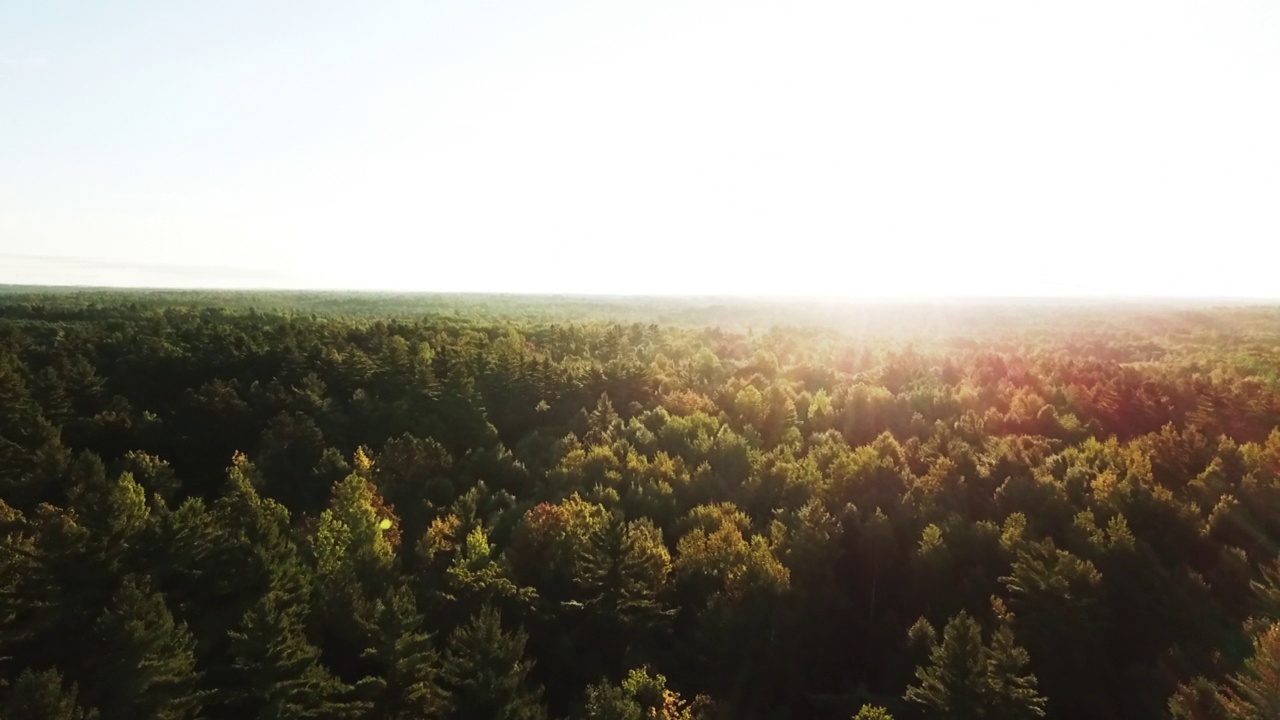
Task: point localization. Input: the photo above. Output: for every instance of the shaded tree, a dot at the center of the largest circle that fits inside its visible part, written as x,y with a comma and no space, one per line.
406,684
151,659
487,672
42,696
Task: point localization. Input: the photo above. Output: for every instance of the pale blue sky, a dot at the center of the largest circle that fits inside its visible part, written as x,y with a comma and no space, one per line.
994,147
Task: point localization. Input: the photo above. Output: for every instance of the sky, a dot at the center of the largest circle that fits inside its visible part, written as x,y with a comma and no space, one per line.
913,148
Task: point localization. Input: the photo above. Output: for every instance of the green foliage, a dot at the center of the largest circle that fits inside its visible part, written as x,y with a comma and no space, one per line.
749,501
1013,689
623,571
640,696
151,669
966,679
955,684
351,541
487,672
550,542
408,670
1267,589
154,475
42,696
477,576
1254,692
276,671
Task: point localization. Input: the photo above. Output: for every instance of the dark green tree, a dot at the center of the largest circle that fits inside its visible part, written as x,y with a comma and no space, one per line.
407,680
1013,691
220,561
967,680
954,685
623,570
150,659
276,671
42,696
487,672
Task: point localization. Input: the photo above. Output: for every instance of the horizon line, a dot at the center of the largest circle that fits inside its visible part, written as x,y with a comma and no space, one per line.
764,297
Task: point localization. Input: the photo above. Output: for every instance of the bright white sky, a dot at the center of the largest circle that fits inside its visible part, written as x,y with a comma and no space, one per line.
848,148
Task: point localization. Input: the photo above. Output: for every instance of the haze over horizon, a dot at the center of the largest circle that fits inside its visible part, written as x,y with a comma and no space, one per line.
836,149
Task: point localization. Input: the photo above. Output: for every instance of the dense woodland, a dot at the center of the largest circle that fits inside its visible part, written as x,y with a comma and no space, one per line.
272,506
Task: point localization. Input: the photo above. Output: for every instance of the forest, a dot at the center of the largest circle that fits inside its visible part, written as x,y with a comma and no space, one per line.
394,507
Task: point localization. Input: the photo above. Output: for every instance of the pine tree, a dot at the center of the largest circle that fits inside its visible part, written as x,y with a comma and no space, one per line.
1199,699
223,559
354,558
1254,692
487,672
407,686
1013,690
351,543
623,569
42,696
479,576
153,474
118,515
1267,590
20,428
150,670
966,680
56,581
603,423
18,566
954,685
276,672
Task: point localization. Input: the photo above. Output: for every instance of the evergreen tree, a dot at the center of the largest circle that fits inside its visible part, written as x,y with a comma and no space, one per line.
1254,692
18,563
276,671
55,583
407,683
222,560
479,576
22,429
965,679
486,670
412,474
1197,700
1013,690
42,696
154,474
1267,590
954,684
623,570
354,556
150,670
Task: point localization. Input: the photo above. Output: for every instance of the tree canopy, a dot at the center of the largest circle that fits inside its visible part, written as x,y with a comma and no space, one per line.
305,505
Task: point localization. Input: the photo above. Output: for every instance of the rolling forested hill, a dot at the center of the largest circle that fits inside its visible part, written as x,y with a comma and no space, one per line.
293,505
